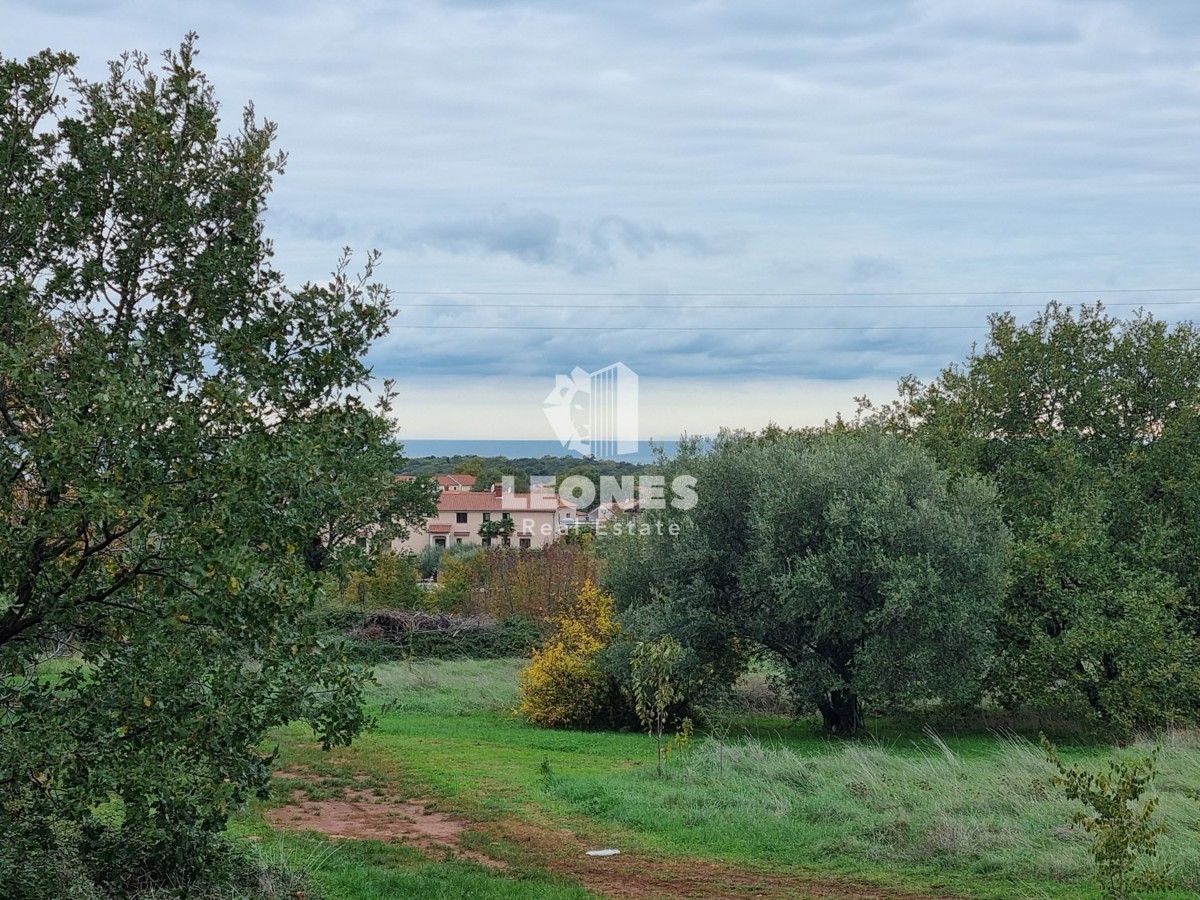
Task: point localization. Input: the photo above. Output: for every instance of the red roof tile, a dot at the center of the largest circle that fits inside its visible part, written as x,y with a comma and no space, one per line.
447,481
486,501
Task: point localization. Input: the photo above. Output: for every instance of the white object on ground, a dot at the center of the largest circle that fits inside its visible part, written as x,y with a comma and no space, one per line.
603,852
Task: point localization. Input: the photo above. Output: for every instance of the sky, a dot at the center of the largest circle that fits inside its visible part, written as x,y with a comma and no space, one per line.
762,208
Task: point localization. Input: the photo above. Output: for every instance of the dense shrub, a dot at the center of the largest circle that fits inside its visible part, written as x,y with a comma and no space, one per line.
565,685
335,619
459,577
429,561
539,583
505,581
391,583
1116,659
388,635
39,855
43,857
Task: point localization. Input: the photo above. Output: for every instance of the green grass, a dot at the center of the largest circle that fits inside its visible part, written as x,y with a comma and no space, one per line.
53,669
365,872
982,820
370,870
972,813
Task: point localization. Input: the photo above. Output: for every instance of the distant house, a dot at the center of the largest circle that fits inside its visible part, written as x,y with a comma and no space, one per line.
606,512
539,517
448,482
456,482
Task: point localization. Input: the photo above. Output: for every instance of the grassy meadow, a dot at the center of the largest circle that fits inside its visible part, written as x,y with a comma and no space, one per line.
968,814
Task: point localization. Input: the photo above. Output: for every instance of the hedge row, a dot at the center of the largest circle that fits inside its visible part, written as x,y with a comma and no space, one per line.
386,635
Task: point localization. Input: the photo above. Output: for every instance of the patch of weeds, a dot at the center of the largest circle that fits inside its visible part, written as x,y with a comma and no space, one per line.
1122,824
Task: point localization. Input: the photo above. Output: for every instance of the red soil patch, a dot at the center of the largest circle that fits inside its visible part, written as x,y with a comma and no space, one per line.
357,816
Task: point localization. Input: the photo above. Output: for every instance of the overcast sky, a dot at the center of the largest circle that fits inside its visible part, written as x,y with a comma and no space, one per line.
536,153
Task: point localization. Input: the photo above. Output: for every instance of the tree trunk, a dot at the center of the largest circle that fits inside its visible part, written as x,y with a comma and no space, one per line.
842,713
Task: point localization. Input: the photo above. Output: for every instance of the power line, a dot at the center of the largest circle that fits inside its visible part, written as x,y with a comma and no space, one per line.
730,306
692,328
1021,293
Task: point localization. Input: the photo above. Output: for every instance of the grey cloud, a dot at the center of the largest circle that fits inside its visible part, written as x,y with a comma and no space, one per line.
937,144
532,237
810,17
776,353
307,224
1170,17
1018,22
1015,32
538,238
872,268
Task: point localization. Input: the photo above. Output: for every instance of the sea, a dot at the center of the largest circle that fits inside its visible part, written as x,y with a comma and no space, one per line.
415,448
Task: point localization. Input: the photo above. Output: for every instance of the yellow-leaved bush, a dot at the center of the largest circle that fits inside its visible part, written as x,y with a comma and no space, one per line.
564,686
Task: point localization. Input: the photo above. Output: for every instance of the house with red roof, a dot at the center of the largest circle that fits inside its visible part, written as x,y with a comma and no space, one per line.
455,482
458,482
538,518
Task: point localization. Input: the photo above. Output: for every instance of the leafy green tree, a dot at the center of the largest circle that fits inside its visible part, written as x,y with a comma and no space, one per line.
497,528
185,461
873,575
470,465
1088,424
491,475
459,579
430,560
391,583
487,479
656,687
851,556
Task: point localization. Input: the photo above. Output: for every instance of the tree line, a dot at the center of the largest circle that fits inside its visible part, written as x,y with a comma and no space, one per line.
1021,531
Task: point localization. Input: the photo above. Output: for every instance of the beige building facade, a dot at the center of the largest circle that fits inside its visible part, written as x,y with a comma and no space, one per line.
538,519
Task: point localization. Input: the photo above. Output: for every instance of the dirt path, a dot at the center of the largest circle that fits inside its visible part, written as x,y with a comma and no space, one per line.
357,815
361,816
638,876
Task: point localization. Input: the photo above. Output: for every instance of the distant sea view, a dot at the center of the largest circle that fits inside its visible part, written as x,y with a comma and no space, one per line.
418,447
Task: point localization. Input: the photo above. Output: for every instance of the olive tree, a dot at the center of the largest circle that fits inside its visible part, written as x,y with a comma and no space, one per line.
186,453
849,555
872,574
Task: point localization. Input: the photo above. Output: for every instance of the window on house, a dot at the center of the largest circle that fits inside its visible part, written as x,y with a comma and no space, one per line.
439,542
487,542
458,540
506,516
487,517
460,518
524,543
506,542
